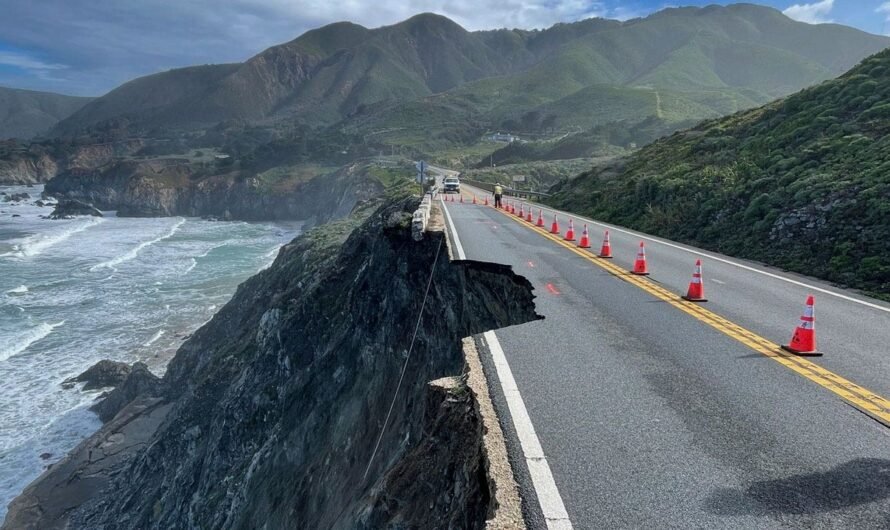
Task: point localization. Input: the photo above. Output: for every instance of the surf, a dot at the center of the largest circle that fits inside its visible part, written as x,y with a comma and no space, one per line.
132,253
18,344
36,244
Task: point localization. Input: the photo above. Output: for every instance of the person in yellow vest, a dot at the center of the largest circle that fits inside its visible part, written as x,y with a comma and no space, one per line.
498,193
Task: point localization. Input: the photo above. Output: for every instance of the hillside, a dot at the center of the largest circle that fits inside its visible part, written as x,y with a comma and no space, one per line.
802,183
677,64
26,113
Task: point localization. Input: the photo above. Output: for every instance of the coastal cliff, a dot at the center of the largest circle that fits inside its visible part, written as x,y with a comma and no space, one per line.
328,393
169,187
37,164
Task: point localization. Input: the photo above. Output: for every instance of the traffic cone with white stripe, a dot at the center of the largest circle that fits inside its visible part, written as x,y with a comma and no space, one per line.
540,222
510,208
474,198
803,342
528,215
570,233
696,292
640,268
485,199
554,227
461,198
521,212
606,250
585,239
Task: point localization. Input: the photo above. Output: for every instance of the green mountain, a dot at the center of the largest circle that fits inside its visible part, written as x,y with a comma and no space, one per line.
678,64
25,113
802,183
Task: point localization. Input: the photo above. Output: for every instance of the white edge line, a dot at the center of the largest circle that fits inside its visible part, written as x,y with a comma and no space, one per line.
457,246
715,258
552,507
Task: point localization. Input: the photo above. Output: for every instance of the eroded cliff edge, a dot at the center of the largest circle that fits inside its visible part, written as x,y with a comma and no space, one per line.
268,416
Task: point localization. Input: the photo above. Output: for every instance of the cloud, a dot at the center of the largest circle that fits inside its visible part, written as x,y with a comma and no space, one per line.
103,44
885,10
815,13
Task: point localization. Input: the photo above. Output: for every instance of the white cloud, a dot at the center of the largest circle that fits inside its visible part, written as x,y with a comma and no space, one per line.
815,13
885,10
25,62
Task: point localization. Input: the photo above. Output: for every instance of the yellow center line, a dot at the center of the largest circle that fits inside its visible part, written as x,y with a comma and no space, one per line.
865,400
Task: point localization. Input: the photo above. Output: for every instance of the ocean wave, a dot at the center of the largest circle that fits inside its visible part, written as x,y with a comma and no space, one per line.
16,345
36,244
132,253
155,337
21,289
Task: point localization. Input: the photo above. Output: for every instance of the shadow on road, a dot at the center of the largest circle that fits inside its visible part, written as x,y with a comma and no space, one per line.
856,482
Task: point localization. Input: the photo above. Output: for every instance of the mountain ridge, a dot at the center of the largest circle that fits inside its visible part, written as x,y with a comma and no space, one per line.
27,113
327,74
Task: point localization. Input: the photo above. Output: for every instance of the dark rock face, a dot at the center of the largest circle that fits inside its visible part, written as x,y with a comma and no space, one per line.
268,415
103,374
16,197
139,381
166,188
70,208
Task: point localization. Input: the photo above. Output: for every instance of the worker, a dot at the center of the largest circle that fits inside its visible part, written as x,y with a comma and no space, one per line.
498,193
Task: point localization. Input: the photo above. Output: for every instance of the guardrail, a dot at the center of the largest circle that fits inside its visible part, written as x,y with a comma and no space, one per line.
512,192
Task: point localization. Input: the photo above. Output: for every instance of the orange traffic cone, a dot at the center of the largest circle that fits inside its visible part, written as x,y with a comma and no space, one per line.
554,227
521,212
540,222
696,292
585,239
461,197
640,263
486,201
509,207
570,233
528,215
803,342
606,250
474,198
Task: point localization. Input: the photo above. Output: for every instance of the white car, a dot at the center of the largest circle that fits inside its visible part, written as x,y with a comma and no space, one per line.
451,185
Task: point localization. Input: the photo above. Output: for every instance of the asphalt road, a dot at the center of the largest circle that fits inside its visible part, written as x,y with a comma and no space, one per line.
650,417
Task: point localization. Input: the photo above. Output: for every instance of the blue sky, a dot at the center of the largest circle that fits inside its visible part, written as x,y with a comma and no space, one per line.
87,47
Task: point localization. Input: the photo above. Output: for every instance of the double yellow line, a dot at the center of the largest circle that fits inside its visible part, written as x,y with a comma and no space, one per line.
861,398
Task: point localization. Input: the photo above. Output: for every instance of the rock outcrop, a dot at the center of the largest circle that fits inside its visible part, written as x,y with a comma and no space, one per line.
306,401
169,187
71,208
103,374
139,381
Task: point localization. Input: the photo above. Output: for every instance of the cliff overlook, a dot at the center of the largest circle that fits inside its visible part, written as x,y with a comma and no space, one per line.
274,414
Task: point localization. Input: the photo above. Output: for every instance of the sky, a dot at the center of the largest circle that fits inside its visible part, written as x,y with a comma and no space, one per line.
88,47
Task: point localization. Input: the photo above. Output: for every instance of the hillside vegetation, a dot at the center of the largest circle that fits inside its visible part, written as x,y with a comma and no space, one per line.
427,71
802,183
26,113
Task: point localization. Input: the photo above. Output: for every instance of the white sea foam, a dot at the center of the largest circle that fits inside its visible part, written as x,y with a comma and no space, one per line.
36,244
19,343
191,267
21,289
155,337
133,252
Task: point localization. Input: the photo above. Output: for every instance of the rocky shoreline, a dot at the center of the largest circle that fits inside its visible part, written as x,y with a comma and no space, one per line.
268,415
169,188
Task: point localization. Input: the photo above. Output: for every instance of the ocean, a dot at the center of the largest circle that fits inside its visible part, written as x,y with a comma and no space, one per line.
73,292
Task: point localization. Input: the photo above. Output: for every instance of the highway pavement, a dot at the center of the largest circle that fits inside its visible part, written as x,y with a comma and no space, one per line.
652,412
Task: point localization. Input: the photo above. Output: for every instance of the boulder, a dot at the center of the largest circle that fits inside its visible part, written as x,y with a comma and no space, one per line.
139,382
16,197
103,374
70,208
